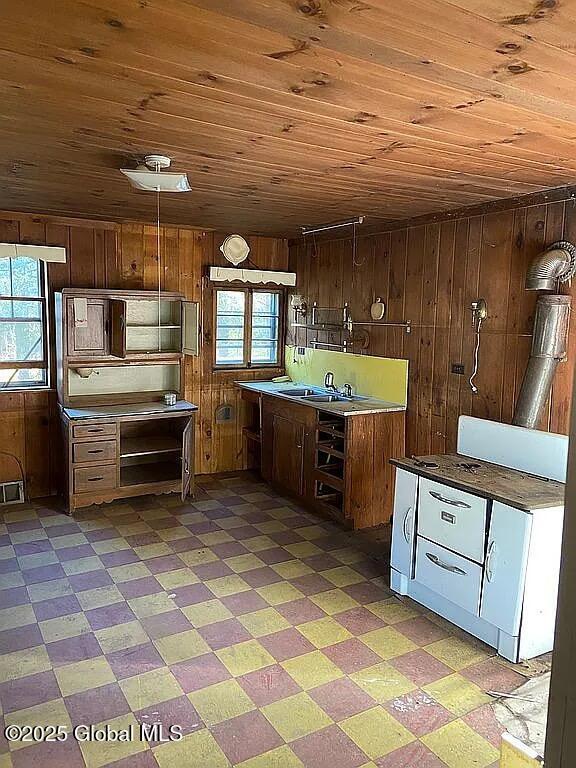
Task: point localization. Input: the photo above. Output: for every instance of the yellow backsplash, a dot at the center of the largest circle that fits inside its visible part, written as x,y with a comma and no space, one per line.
385,378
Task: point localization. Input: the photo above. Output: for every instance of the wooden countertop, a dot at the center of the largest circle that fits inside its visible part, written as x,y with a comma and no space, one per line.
491,481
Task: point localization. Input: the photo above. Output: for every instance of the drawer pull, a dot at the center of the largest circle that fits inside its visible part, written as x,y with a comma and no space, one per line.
94,479
444,500
447,567
94,429
95,450
405,530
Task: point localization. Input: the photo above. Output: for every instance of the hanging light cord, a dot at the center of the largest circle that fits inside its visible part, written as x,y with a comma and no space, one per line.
159,265
473,386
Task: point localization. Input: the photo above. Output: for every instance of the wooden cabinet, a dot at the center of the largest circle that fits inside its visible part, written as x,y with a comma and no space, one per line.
335,465
118,353
288,436
121,346
87,327
286,445
152,453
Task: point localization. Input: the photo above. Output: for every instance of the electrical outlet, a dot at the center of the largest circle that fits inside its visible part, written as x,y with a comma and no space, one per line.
458,368
301,350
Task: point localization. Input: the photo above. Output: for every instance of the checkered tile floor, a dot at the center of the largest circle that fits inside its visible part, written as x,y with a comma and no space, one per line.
268,635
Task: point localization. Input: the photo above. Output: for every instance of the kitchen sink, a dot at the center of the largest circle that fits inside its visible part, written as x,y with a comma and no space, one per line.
295,392
325,399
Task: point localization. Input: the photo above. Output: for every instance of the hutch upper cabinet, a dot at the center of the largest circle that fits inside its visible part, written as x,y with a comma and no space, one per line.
118,354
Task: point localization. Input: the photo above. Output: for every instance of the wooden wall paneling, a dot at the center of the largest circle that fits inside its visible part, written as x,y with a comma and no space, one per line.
132,255
39,431
396,311
377,285
434,273
413,341
473,255
564,379
457,320
441,370
12,434
82,257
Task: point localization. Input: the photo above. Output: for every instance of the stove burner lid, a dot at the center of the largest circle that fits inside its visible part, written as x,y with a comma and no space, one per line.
426,464
468,465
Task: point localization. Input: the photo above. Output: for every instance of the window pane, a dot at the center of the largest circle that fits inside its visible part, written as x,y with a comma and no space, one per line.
28,309
229,353
25,277
231,302
22,377
230,311
5,284
264,352
21,341
265,303
229,332
265,327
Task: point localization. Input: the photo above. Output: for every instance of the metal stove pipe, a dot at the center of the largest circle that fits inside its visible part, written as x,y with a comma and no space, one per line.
549,347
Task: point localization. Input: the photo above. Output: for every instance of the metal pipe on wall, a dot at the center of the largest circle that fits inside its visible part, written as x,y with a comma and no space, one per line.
549,347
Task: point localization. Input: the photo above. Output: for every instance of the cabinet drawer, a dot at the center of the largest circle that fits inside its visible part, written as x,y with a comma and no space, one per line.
93,430
94,478
97,450
452,518
449,575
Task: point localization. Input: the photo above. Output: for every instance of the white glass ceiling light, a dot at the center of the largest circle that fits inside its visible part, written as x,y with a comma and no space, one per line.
150,177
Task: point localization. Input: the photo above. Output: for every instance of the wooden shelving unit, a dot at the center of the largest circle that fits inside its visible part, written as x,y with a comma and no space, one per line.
146,446
330,462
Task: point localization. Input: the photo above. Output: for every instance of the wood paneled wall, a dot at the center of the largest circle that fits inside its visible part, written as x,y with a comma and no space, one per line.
102,255
429,274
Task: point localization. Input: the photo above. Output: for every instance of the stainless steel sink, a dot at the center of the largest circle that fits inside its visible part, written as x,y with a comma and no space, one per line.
324,399
295,392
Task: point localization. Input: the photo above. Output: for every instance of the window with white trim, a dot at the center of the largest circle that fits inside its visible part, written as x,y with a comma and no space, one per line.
247,327
23,323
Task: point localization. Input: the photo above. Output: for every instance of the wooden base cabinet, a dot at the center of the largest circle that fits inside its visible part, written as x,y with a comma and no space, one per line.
128,455
335,465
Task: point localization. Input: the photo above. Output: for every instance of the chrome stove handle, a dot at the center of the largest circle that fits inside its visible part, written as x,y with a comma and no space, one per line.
447,567
452,502
405,530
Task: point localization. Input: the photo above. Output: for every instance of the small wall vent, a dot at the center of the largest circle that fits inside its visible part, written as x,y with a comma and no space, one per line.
12,492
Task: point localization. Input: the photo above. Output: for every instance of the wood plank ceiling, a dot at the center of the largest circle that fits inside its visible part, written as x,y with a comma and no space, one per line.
285,112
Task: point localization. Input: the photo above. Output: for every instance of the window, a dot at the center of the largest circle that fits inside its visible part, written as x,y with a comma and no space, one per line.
23,338
247,328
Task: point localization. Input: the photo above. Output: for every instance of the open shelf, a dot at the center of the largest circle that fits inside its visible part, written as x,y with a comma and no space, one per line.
145,445
159,472
337,483
331,447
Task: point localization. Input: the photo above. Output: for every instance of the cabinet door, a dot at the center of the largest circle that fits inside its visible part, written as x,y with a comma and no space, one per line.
404,522
87,327
190,328
505,567
188,459
288,454
118,327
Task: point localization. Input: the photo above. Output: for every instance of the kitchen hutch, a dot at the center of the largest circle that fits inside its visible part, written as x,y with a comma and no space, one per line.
118,353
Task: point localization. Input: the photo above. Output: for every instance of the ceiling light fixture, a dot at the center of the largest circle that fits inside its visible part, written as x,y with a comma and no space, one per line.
150,177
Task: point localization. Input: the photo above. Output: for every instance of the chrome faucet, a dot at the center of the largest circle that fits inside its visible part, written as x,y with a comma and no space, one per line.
347,390
329,382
